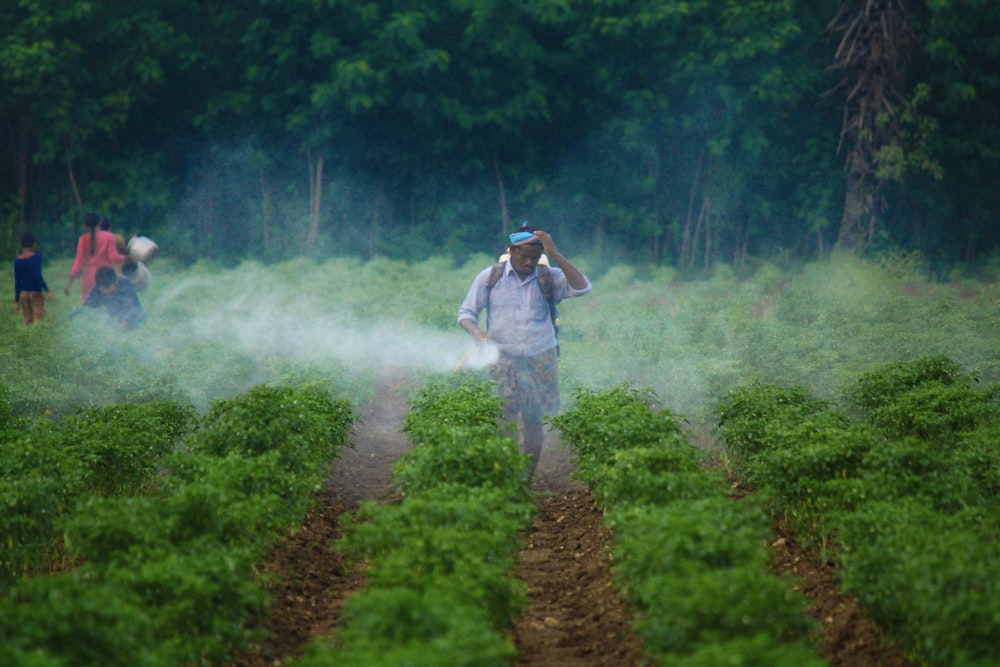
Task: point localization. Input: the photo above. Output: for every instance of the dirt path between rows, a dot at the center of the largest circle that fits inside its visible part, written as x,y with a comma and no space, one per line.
574,618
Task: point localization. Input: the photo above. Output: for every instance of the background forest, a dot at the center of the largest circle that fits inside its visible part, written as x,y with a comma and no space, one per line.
658,132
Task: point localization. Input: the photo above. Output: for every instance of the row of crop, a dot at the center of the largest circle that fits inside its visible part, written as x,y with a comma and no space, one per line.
900,490
169,577
439,561
691,560
47,470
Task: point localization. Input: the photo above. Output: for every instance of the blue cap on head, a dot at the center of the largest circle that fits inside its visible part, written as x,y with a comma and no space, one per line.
522,237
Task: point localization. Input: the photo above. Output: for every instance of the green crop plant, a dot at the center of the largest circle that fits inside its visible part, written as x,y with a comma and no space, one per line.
760,650
749,415
928,575
928,398
400,626
653,475
441,406
603,423
468,455
305,424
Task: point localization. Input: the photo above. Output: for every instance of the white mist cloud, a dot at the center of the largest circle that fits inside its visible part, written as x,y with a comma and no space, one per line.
261,317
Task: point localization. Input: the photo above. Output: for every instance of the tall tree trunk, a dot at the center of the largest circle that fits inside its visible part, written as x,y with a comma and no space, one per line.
266,206
501,196
876,38
686,242
315,200
376,221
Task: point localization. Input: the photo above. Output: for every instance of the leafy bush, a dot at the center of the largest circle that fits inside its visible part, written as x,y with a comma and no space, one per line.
928,575
440,406
710,533
884,385
304,424
39,487
749,416
9,422
122,446
62,620
400,626
653,475
813,468
475,455
680,613
977,455
623,417
913,467
761,650
927,398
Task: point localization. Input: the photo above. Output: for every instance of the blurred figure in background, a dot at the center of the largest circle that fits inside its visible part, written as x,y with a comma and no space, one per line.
30,289
94,249
119,239
116,295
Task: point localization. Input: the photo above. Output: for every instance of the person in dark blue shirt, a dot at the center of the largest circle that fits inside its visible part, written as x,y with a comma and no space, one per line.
116,294
30,289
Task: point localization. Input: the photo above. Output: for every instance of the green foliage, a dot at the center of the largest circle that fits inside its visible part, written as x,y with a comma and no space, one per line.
748,416
695,571
653,476
884,385
438,407
977,455
121,446
48,470
179,565
440,589
396,626
928,575
8,420
453,510
623,417
687,536
469,455
759,651
691,560
816,467
62,620
303,423
40,487
914,467
927,398
683,613
903,504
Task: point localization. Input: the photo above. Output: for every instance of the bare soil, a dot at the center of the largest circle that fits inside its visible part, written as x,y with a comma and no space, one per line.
575,617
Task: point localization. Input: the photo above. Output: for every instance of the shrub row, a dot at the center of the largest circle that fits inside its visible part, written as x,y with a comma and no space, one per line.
169,577
47,470
439,561
901,492
692,561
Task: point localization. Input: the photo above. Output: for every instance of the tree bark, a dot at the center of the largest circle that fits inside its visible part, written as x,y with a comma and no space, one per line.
876,38
315,200
501,195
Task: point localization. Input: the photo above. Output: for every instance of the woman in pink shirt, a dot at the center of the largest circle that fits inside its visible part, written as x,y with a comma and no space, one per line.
94,249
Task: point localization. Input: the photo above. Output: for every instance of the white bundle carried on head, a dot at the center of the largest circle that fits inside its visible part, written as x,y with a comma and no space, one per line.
141,248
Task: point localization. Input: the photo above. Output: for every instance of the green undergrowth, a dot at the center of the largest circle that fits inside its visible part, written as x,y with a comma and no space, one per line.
691,561
901,491
439,562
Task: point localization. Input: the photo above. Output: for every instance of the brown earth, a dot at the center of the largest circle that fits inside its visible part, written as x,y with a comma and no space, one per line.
574,618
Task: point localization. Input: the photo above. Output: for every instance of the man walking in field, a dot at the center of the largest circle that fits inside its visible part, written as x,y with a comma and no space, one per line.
520,299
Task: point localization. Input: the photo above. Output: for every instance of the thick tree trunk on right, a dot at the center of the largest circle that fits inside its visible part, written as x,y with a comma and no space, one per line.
875,40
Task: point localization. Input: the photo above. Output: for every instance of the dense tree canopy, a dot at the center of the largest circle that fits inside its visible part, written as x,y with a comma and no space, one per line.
660,131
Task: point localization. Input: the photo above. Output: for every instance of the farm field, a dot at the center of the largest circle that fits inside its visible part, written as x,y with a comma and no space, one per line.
576,617
693,344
